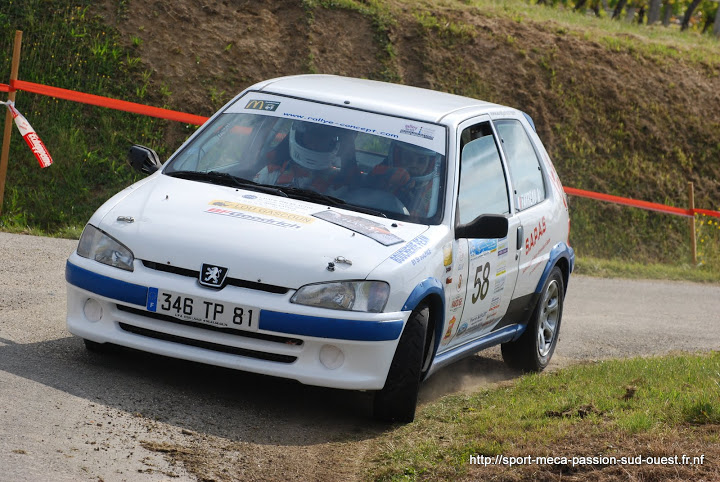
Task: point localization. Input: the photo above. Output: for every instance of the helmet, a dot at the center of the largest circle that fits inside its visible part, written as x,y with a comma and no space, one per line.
418,161
314,146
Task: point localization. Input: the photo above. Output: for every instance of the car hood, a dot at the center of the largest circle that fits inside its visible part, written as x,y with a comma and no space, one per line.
257,236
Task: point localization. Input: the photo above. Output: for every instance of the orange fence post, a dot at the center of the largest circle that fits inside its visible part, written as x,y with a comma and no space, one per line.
14,67
693,238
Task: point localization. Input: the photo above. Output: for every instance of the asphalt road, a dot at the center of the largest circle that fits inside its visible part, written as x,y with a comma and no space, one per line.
68,414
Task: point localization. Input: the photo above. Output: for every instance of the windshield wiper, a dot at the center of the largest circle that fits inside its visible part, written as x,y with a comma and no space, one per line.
310,195
225,179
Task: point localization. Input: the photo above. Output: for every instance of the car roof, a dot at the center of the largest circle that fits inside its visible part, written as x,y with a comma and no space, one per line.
371,95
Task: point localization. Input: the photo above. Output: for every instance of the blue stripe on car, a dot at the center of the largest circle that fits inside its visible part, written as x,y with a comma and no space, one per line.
105,286
330,327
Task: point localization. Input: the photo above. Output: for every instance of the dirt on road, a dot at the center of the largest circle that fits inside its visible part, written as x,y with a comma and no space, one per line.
70,414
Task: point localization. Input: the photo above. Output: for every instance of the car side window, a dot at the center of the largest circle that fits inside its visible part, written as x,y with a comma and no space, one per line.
523,163
483,188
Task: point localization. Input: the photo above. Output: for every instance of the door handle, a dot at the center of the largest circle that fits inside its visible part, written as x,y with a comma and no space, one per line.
519,240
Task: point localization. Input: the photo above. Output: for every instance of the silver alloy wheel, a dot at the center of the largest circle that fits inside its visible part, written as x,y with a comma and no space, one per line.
549,316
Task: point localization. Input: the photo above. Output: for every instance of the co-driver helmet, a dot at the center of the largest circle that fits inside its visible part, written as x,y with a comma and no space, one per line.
418,161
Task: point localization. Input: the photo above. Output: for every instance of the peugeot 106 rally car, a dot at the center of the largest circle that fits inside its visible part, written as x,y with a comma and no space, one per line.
340,232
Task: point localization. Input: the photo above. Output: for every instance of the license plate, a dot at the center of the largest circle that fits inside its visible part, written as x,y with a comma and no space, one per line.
200,310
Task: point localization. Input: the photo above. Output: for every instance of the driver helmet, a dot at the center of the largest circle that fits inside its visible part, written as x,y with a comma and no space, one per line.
314,146
418,161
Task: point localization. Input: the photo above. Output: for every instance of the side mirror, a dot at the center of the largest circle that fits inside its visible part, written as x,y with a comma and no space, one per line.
143,159
487,226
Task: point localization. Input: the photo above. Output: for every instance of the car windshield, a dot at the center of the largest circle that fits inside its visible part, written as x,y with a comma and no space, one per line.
353,159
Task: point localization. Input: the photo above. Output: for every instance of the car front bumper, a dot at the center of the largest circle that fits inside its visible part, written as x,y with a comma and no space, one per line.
347,350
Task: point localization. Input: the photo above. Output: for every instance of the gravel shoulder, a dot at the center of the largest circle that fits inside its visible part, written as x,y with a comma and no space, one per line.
68,414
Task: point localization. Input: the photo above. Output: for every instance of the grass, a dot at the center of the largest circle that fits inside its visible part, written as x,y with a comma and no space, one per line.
591,409
383,21
67,45
613,268
655,42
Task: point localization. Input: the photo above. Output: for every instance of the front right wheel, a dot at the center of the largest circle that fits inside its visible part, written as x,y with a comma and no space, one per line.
397,401
533,350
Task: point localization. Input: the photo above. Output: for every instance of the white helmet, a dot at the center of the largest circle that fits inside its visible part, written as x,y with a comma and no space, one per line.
401,152
314,146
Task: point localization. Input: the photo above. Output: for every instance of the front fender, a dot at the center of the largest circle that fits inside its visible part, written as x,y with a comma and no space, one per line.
434,290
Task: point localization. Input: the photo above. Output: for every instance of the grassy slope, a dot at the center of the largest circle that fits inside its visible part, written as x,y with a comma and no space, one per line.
647,406
622,109
65,45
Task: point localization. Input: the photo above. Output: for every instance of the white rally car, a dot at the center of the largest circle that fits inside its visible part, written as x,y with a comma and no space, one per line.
340,232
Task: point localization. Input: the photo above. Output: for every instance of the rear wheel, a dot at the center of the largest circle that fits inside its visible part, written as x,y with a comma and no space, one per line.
533,350
397,401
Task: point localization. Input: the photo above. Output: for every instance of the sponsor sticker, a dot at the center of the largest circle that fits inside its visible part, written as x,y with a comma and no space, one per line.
420,258
502,248
535,235
499,285
257,104
430,136
249,217
363,226
448,257
448,332
418,131
494,305
298,218
480,247
406,252
530,198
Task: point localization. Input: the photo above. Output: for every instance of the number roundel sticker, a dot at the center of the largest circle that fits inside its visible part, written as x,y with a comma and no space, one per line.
482,284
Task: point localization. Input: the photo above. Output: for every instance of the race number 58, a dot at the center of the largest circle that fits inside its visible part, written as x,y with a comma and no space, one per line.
482,284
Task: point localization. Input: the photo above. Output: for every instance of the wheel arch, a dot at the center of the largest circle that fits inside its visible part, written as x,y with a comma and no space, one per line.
431,291
564,266
562,256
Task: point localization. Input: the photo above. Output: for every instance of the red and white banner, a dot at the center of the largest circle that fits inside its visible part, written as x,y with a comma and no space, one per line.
31,138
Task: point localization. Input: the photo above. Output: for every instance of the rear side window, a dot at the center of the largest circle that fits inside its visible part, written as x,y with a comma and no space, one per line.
523,162
483,188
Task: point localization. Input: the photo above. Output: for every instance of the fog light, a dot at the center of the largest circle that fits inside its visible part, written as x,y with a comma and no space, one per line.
93,310
331,356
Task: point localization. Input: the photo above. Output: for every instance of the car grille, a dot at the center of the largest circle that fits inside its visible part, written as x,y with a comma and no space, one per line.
207,345
229,281
158,335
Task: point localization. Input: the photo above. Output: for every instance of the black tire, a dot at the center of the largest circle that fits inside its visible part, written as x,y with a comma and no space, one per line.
397,401
533,350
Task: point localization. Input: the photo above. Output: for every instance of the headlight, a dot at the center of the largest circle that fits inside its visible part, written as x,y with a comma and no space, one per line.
369,296
94,244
